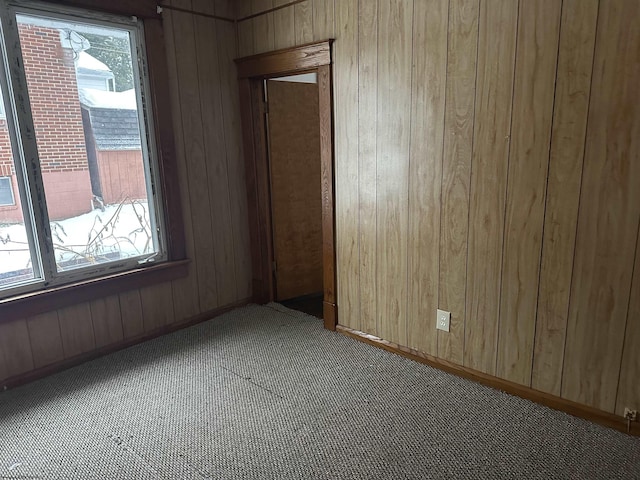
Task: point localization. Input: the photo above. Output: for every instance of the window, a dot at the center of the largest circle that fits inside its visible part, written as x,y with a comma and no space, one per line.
6,192
83,158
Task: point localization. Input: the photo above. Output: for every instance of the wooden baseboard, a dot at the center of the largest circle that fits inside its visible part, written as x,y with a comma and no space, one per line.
572,408
67,363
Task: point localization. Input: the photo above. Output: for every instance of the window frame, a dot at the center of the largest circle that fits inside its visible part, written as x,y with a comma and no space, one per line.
13,195
72,289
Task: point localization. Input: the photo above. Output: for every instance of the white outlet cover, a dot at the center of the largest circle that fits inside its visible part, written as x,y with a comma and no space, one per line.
443,320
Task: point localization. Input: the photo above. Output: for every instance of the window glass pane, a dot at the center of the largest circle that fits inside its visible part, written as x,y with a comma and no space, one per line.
16,263
82,90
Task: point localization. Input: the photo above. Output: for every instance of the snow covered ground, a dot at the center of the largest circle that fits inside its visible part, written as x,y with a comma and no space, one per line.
95,237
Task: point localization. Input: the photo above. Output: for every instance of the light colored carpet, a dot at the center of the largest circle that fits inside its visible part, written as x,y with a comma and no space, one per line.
264,392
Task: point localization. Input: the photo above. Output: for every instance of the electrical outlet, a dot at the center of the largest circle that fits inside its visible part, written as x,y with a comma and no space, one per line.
631,415
443,319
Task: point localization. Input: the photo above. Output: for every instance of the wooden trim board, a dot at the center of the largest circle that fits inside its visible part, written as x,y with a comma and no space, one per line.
572,408
252,71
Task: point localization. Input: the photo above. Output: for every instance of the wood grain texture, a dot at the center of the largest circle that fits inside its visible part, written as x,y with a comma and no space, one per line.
492,130
294,157
325,110
284,26
185,291
323,19
609,213
76,330
303,15
226,41
429,77
195,157
107,320
213,128
394,101
15,348
157,306
533,96
573,85
131,313
367,163
245,29
346,174
263,26
629,386
45,339
456,173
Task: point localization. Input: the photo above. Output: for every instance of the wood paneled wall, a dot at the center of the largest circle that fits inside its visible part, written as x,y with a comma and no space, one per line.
487,163
200,53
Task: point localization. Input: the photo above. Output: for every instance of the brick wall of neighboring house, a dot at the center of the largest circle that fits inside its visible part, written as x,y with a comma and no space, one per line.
53,93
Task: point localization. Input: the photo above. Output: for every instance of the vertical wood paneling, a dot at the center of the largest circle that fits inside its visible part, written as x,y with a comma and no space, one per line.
195,157
157,306
609,213
429,75
214,143
76,330
15,349
185,290
131,313
284,26
492,130
537,47
367,161
303,14
323,19
245,29
45,339
394,101
263,27
573,84
107,320
234,158
456,173
346,163
629,386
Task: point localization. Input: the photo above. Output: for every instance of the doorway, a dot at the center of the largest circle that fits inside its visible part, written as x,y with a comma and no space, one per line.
293,148
288,143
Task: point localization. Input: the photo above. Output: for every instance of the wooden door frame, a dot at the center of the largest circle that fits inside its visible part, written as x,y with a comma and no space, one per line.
252,71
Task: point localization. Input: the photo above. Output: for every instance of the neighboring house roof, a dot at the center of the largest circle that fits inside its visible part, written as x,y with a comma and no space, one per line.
86,64
114,119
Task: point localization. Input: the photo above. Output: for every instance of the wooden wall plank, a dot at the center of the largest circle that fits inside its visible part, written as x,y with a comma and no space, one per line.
131,313
429,78
76,330
394,101
609,213
533,96
234,157
107,320
573,84
367,162
45,339
197,167
263,26
15,349
323,19
346,164
284,26
494,84
245,29
214,147
303,22
185,290
456,173
157,306
629,386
